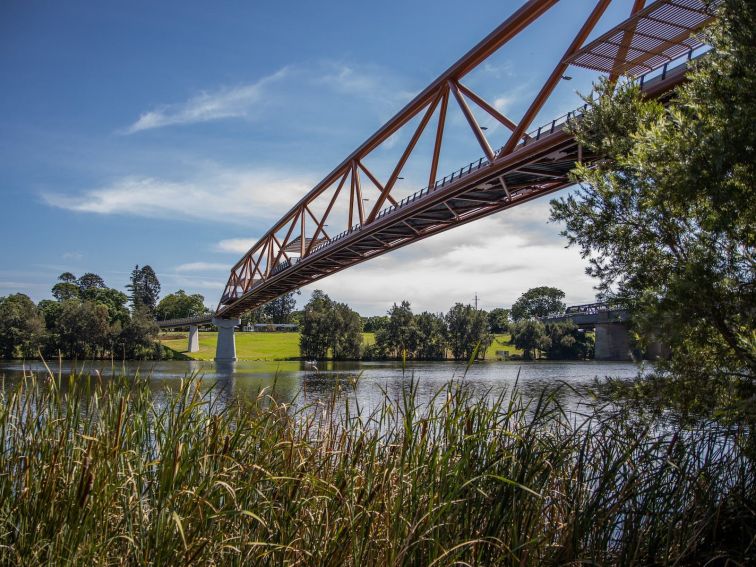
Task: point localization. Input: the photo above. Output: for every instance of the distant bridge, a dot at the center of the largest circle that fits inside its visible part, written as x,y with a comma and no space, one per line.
611,325
652,46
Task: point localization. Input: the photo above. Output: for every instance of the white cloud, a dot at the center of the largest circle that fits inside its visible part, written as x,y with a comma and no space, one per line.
214,195
74,255
232,102
236,245
202,267
254,100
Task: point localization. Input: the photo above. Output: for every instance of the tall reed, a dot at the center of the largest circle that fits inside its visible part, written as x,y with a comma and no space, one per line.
107,472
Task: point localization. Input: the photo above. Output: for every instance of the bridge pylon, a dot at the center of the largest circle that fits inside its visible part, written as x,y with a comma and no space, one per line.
225,350
193,345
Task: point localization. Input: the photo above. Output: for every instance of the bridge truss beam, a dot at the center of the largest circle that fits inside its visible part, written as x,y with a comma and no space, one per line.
298,250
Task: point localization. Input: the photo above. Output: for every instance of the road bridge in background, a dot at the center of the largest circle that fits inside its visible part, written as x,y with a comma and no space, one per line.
652,46
610,324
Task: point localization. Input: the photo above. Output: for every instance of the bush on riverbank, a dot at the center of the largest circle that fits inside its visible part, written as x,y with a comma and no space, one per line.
102,471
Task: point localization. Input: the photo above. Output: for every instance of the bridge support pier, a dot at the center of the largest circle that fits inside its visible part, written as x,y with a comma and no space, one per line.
193,339
225,351
612,342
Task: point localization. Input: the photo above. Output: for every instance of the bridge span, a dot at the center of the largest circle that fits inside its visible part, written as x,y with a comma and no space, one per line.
652,46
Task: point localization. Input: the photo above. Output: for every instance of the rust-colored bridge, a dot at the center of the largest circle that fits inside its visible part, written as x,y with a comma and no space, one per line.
652,46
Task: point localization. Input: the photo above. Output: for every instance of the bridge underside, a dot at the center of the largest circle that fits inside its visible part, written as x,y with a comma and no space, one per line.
538,167
529,165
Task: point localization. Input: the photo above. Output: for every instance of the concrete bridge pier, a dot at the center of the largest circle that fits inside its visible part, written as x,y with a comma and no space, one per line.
193,338
612,342
225,351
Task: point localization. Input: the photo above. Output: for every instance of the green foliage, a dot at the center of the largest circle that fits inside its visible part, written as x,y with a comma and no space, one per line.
543,301
138,336
22,326
144,288
101,472
179,305
530,336
498,320
431,336
467,330
114,300
567,342
65,290
375,323
82,330
398,339
328,325
89,282
667,218
279,310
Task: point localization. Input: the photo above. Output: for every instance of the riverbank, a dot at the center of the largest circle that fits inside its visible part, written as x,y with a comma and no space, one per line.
283,346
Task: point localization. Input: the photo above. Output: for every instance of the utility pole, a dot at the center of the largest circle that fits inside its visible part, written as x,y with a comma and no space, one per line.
476,301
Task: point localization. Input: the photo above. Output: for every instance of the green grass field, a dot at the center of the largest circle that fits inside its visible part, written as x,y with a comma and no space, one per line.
282,346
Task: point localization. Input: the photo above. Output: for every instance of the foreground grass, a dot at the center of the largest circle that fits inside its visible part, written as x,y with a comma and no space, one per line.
106,473
283,346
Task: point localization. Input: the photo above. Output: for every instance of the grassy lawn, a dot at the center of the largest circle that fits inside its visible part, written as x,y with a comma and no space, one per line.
249,346
501,342
280,346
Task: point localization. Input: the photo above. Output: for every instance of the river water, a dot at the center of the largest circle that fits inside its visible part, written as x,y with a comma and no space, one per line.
368,383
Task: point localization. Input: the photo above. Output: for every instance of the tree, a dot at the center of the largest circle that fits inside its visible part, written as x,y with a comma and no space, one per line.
467,329
114,300
83,329
144,288
431,336
67,277
317,328
498,320
541,301
90,281
22,326
399,336
137,339
530,336
375,323
567,342
64,291
666,219
179,305
347,334
280,309
328,325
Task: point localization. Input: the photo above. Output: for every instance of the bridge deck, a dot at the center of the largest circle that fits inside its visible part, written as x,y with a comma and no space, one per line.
185,322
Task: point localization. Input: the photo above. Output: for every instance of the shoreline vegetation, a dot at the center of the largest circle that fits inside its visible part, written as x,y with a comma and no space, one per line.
100,470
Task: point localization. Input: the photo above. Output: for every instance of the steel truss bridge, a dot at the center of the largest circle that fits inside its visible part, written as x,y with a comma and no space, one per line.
652,46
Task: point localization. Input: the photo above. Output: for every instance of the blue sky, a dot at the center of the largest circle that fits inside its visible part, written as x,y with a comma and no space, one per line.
175,133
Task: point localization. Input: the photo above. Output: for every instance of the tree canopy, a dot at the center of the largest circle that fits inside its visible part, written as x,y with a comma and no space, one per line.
329,326
543,301
666,219
144,288
180,305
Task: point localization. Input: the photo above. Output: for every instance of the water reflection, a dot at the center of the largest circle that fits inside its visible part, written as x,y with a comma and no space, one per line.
364,383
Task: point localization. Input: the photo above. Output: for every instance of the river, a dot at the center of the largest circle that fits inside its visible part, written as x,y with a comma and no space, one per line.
368,383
